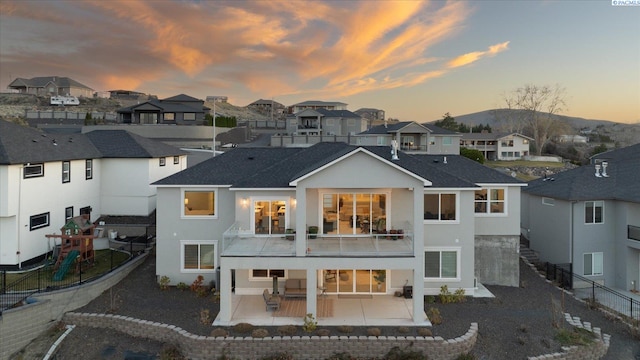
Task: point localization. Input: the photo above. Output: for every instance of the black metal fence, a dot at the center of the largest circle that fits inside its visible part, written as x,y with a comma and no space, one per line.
17,292
592,292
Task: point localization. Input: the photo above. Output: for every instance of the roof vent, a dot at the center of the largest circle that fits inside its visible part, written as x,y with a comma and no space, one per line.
394,149
604,169
445,160
598,170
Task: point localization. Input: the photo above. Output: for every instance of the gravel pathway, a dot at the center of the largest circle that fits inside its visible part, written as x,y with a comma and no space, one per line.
517,323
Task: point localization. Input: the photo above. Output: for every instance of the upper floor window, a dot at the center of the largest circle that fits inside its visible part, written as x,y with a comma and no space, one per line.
440,207
198,256
189,116
270,216
381,140
507,142
525,141
441,264
354,213
593,212
633,232
548,201
66,171
593,264
446,140
68,213
163,161
176,160
169,116
33,170
489,201
38,221
88,169
199,203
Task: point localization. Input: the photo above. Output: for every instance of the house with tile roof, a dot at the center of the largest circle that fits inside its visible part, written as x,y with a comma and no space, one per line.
329,218
51,86
46,179
589,217
497,146
176,110
412,138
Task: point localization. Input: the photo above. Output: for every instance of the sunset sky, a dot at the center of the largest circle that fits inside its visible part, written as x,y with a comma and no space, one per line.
416,60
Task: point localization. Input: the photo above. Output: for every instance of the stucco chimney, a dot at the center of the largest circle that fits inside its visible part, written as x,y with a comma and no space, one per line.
604,169
598,170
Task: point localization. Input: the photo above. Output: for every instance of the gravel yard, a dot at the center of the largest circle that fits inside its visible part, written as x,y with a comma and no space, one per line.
517,323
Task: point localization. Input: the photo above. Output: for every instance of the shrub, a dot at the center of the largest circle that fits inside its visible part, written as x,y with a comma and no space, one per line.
404,354
170,352
243,328
576,336
287,330
374,332
164,282
425,332
219,332
205,316
466,356
434,316
345,329
279,356
446,297
430,299
182,286
323,332
310,323
404,330
260,333
197,283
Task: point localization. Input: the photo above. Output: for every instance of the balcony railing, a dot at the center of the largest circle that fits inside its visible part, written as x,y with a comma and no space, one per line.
420,148
237,241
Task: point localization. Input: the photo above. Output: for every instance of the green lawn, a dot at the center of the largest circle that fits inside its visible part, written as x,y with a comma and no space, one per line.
43,277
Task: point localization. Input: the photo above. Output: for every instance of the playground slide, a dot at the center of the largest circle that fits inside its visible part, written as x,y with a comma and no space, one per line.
66,264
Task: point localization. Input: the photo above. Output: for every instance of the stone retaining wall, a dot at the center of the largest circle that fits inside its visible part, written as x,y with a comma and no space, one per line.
19,326
593,351
300,347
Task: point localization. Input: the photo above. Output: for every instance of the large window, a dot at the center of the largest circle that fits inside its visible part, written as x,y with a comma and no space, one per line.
489,201
354,213
270,216
66,171
199,203
593,264
189,116
163,161
88,169
68,213
38,221
264,274
169,116
198,256
33,170
633,232
441,264
440,207
593,212
446,140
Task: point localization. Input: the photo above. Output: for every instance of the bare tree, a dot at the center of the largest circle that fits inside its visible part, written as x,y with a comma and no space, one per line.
536,108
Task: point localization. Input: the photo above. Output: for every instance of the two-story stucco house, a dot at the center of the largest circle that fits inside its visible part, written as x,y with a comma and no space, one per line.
177,110
498,146
334,216
325,122
46,179
589,217
412,138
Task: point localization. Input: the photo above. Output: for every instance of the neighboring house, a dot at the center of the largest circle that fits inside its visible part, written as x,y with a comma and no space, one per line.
218,98
412,138
314,105
576,139
180,110
325,122
250,215
589,217
51,86
371,115
127,95
46,179
497,146
267,107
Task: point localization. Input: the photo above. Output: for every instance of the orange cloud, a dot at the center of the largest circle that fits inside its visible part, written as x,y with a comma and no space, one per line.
472,57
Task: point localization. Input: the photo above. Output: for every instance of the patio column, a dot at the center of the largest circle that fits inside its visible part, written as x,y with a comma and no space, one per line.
418,249
301,221
312,291
224,316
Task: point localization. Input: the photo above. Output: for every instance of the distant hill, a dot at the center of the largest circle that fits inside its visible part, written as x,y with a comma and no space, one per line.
624,134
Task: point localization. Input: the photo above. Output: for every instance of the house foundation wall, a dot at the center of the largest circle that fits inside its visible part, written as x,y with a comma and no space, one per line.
497,259
299,347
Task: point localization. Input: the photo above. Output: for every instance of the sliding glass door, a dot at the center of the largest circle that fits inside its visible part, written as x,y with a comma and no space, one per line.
353,213
355,281
270,216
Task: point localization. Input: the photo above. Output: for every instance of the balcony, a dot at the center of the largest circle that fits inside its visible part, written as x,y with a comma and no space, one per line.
239,242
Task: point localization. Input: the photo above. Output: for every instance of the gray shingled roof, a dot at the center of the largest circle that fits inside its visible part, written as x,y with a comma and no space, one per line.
581,184
41,81
489,136
166,107
182,98
123,144
338,113
277,167
317,102
389,128
20,144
